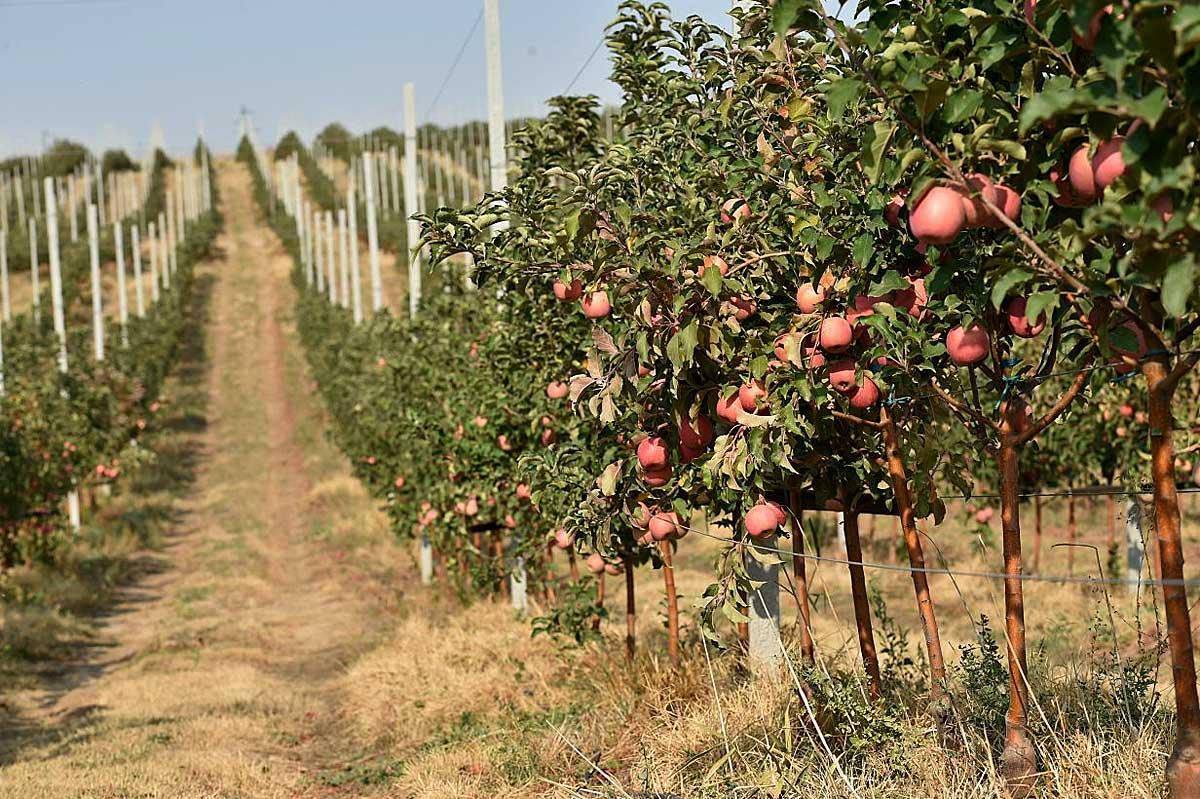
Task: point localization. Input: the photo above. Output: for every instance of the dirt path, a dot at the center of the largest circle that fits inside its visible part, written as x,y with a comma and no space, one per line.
218,676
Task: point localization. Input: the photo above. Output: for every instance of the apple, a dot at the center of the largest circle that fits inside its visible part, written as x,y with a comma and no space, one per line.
1008,201
743,308
938,217
891,211
984,515
596,305
1081,176
1108,164
557,390
657,478
1126,411
912,299
752,396
503,442
1087,40
652,453
1019,323
510,522
472,507
728,406
481,421
1163,206
399,483
762,520
835,334
563,539
715,262
866,395
794,338
974,212
549,437
568,293
663,525
733,209
524,491
613,569
809,297
967,346
595,563
697,434
842,376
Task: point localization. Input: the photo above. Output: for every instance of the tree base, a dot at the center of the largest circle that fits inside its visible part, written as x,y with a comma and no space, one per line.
1018,765
1183,771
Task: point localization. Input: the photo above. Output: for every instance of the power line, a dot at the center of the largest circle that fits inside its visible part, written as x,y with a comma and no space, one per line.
579,74
454,64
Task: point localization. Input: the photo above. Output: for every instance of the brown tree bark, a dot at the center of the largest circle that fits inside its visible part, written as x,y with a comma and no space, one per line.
862,607
1037,535
599,600
916,557
672,602
1072,534
630,612
1183,765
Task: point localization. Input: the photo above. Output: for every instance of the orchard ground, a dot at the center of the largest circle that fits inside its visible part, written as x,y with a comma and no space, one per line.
241,622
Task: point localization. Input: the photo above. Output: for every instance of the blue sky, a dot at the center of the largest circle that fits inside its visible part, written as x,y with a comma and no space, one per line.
106,71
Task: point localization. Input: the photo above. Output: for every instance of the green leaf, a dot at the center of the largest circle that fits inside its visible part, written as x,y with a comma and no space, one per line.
1006,282
1178,283
962,104
733,614
682,345
840,93
864,248
712,280
878,140
1039,303
784,14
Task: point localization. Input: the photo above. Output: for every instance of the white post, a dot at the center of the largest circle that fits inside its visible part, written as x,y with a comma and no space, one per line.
164,250
394,174
426,561
1135,546
5,299
153,234
372,235
122,299
172,241
139,297
495,90
766,647
330,262
71,204
355,271
343,260
60,326
517,585
318,251
410,198
34,271
841,531
93,223
99,176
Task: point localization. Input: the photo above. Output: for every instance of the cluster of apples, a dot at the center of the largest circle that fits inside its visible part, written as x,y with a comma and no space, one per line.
654,454
658,525
764,519
596,564
942,212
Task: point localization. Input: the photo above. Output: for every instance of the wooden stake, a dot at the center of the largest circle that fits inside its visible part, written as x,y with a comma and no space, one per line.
800,576
862,606
672,602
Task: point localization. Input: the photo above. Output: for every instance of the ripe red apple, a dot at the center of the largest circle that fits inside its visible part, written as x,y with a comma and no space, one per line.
652,453
752,396
657,478
472,507
563,539
984,515
1019,323
866,395
613,569
728,405
1108,164
938,217
974,211
967,347
595,563
510,522
715,262
891,211
1126,411
557,390
524,491
1007,200
548,437
835,334
596,305
842,376
809,298
503,442
481,421
1081,176
568,293
663,525
912,299
762,520
734,208
743,308
399,483
697,434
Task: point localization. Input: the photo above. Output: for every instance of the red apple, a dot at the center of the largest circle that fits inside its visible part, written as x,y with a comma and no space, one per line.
568,293
697,434
596,305
842,376
938,216
715,262
809,297
595,563
967,347
652,453
524,491
752,396
663,525
728,406
1019,323
657,478
557,390
1108,164
734,208
835,334
1081,176
866,395
563,539
762,520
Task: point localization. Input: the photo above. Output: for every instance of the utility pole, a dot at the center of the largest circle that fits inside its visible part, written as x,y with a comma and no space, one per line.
495,90
410,198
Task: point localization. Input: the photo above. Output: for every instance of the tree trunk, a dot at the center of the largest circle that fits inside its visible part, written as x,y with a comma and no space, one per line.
574,565
1018,762
1072,534
1037,535
672,603
862,607
800,574
599,601
1111,532
916,558
1183,766
630,611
